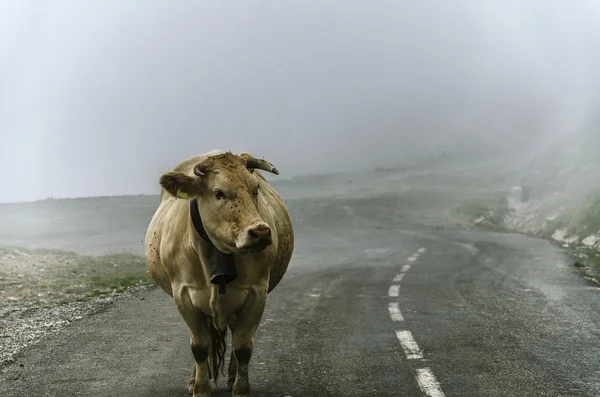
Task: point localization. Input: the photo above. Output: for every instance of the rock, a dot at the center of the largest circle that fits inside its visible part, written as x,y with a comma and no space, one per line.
591,241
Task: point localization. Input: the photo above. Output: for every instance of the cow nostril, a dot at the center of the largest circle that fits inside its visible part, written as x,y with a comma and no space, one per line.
255,238
259,231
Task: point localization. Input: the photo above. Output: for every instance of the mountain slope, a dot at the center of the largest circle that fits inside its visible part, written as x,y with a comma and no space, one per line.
558,192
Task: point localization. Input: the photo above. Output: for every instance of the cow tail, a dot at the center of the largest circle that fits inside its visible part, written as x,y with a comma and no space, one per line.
216,360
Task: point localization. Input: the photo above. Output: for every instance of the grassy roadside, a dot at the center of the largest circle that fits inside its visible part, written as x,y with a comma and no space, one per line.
589,262
488,211
31,280
584,222
586,218
42,291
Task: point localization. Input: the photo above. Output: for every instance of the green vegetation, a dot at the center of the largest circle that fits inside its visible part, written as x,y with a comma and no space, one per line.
580,220
34,279
592,262
559,222
487,210
593,255
586,220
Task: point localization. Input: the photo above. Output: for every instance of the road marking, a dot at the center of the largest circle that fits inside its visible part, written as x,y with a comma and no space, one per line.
409,345
428,384
425,378
398,277
395,314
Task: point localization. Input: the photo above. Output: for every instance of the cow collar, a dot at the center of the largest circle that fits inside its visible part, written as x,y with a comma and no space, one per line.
223,265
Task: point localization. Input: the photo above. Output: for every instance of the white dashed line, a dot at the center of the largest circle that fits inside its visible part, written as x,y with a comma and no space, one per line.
409,345
428,384
425,378
395,312
398,277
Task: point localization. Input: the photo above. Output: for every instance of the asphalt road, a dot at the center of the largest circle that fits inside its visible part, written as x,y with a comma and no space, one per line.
360,313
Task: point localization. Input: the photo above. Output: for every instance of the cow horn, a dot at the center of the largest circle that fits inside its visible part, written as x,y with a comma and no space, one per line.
254,163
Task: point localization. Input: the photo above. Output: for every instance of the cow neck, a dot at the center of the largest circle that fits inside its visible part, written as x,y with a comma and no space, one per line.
223,265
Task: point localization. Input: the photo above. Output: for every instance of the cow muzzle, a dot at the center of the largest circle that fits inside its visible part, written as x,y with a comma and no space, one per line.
255,238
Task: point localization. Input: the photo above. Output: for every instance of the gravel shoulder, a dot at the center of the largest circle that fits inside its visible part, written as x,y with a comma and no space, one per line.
42,290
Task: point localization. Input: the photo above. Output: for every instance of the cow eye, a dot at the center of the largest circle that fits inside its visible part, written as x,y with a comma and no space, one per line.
255,192
219,195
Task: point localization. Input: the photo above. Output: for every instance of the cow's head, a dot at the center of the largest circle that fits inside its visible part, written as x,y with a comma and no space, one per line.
228,195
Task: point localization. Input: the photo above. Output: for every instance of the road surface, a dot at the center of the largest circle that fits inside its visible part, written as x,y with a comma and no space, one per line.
362,312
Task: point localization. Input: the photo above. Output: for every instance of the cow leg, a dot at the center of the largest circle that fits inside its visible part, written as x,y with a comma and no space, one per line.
232,371
232,360
200,343
192,380
243,339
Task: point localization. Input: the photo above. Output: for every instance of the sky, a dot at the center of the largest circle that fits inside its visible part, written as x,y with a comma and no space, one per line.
99,97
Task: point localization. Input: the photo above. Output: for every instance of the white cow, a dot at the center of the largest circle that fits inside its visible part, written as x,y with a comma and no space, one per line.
219,242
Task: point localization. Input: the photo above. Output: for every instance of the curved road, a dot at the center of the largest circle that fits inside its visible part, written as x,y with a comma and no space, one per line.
360,313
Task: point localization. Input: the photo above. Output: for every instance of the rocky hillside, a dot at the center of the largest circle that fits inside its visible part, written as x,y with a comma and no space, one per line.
558,193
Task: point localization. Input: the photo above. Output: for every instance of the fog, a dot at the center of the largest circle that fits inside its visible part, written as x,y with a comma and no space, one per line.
100,97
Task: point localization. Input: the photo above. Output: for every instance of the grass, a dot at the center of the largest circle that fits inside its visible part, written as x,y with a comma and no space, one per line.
36,279
586,220
487,210
580,220
591,263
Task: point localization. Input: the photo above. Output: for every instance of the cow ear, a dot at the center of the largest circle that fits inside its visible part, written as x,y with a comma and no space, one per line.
180,185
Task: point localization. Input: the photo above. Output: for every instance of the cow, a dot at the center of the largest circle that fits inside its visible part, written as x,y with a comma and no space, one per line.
219,242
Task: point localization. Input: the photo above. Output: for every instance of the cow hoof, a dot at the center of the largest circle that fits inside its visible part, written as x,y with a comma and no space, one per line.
203,393
245,392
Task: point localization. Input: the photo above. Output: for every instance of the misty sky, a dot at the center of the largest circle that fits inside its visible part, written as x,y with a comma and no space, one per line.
101,97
